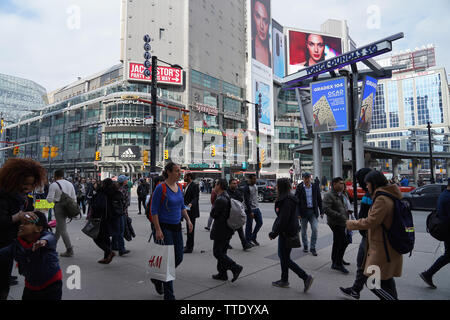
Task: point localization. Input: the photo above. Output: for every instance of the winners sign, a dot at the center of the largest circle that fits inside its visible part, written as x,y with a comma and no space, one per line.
167,75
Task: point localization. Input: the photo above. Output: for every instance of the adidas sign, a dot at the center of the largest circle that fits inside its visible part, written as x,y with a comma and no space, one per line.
128,154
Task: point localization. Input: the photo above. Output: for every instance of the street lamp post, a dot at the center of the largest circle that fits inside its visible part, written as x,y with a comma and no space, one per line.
153,112
257,116
432,181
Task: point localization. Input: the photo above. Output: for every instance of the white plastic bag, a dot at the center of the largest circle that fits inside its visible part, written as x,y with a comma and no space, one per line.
161,262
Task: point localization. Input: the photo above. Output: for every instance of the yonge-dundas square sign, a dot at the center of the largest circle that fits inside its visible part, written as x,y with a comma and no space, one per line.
167,75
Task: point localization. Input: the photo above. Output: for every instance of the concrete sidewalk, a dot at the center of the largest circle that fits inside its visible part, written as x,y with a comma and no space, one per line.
125,278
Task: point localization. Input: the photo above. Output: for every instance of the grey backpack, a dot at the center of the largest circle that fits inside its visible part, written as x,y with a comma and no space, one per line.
237,216
70,207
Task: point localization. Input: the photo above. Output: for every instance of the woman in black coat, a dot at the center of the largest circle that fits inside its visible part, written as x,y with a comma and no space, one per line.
18,178
287,225
107,205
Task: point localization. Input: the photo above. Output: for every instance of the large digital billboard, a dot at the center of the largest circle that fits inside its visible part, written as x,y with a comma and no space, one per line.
368,99
330,105
262,72
308,49
279,47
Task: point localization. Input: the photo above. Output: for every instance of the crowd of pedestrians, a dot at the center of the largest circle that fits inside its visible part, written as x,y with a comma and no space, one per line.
25,235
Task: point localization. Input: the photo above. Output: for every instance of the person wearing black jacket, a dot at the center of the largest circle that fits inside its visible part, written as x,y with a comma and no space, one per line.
310,203
142,192
191,196
366,203
236,194
221,233
286,225
18,178
107,205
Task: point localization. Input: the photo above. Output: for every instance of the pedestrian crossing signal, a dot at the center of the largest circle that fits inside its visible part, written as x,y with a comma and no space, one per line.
16,151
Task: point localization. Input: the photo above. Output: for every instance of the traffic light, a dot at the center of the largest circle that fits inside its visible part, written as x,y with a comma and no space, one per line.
166,154
54,152
16,151
145,158
186,121
263,155
2,124
213,150
97,155
45,151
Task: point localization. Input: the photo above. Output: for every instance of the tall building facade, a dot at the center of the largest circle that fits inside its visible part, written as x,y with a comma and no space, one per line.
19,97
406,103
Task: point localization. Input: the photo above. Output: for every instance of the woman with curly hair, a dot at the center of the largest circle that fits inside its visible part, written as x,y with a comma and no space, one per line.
18,178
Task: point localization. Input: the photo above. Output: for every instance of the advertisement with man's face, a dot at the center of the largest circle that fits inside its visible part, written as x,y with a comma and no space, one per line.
261,32
279,46
308,49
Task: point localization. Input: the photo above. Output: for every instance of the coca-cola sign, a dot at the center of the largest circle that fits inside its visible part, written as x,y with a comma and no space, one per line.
166,75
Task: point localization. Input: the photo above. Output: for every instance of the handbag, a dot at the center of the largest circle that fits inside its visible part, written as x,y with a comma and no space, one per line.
293,241
161,262
92,228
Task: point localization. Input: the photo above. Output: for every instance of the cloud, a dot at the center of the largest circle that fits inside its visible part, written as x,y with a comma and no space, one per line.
51,48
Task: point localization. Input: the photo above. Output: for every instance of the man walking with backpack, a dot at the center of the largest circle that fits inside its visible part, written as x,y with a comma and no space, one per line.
236,194
221,233
55,191
443,212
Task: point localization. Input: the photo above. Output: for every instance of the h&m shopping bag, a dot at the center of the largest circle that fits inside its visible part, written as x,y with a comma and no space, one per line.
161,262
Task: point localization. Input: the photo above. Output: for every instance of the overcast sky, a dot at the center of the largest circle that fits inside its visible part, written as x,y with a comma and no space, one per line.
44,40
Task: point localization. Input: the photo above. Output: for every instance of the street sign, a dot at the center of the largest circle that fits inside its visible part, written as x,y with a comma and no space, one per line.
167,75
44,139
148,120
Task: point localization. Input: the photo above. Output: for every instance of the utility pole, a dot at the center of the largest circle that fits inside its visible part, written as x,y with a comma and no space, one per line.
432,181
153,112
257,116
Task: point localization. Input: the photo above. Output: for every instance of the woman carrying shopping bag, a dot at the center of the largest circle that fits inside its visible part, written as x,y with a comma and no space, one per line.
167,207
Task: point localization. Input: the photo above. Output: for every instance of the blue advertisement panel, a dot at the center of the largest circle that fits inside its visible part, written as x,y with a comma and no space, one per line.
330,106
368,99
266,110
279,60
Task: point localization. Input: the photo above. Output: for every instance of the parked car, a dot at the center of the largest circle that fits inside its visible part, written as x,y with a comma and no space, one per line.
425,198
361,192
266,190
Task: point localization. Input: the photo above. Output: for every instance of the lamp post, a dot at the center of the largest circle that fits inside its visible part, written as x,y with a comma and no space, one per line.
432,181
257,117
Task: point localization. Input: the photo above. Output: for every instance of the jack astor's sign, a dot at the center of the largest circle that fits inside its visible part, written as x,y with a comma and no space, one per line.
119,122
200,107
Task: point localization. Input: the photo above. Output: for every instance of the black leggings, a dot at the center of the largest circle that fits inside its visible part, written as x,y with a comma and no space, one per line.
5,275
103,241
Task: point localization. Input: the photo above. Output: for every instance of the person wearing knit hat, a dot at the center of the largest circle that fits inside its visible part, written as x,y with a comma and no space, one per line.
366,203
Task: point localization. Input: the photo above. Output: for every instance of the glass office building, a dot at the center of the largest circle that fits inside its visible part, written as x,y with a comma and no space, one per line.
19,96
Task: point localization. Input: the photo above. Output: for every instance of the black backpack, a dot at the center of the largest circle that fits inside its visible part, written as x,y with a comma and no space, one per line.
401,235
437,227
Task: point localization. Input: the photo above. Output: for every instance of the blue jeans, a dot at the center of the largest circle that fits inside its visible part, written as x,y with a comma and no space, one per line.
441,261
311,218
118,243
284,253
174,238
249,235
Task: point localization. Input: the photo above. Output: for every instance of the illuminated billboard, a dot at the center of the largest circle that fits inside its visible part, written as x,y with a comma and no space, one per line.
279,48
308,49
368,99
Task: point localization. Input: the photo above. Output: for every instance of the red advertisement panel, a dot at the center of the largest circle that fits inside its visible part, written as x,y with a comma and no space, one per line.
166,75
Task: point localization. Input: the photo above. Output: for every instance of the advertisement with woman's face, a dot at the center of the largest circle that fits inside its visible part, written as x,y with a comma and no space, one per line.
261,31
308,49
